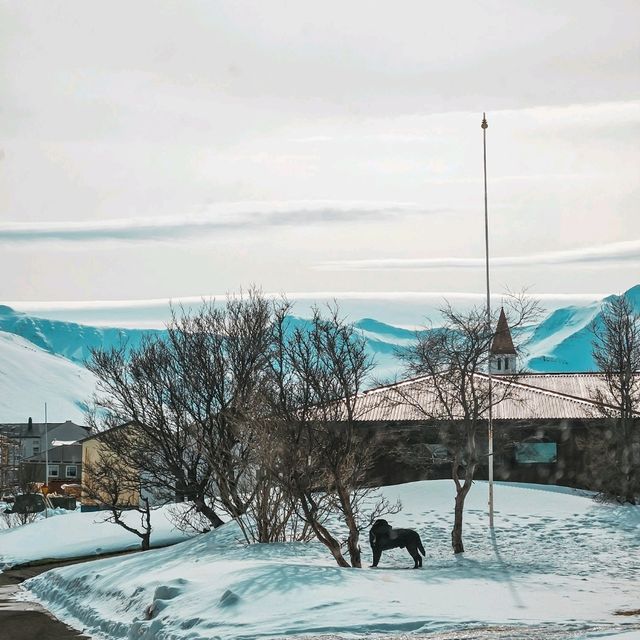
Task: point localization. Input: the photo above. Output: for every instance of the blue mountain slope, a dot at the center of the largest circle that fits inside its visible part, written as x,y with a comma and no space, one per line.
563,341
67,339
560,343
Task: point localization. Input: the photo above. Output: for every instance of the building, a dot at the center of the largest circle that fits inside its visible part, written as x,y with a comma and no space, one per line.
541,426
35,437
8,467
28,440
94,448
65,467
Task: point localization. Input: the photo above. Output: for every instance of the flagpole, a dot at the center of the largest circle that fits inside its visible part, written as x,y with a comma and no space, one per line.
46,459
486,245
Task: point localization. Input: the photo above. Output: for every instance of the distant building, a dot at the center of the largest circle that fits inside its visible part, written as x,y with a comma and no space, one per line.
540,427
33,438
8,466
65,467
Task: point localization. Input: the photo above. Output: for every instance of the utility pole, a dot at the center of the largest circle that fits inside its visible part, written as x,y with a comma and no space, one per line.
489,328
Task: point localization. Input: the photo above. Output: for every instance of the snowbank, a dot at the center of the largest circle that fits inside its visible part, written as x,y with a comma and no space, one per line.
557,557
72,534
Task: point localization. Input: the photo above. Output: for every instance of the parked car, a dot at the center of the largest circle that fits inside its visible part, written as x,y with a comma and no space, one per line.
29,503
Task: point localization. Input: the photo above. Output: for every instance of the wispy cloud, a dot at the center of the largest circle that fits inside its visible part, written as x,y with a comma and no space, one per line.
310,296
217,218
402,308
605,254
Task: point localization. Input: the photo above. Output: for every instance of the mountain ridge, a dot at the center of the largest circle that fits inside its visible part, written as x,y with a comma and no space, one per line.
41,348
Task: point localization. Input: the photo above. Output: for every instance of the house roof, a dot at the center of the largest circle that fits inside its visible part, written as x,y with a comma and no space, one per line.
527,397
36,429
71,453
99,434
502,343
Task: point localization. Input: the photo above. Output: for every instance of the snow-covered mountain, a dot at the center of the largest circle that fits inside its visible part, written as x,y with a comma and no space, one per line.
31,376
67,339
41,360
562,341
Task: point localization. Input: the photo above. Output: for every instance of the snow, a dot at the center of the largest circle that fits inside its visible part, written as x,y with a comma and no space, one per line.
30,376
73,534
558,560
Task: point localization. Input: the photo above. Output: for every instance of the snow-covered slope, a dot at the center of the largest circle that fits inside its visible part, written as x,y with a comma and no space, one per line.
558,565
75,534
562,342
30,376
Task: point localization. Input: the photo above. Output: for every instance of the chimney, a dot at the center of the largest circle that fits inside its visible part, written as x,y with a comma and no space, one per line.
30,427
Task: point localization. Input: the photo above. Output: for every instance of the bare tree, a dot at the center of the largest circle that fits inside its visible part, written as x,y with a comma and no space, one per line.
146,387
116,487
616,352
25,481
225,351
321,459
455,393
193,395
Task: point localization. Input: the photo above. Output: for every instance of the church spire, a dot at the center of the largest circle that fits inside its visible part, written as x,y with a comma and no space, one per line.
502,353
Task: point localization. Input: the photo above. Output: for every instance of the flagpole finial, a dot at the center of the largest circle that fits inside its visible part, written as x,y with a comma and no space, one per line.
484,124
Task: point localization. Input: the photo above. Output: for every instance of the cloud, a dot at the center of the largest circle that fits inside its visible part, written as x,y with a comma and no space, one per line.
219,217
606,254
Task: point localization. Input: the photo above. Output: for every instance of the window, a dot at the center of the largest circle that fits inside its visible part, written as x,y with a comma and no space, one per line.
54,471
536,451
36,448
499,364
506,363
72,471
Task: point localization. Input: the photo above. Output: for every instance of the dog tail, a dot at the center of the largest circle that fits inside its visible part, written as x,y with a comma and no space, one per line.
421,548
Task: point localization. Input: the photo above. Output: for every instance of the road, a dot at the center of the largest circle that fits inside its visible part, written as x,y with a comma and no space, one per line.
28,620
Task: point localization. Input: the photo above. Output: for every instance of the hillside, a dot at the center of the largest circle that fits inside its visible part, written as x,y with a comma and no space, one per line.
30,376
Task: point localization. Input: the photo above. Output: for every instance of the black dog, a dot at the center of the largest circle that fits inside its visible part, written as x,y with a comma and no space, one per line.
383,537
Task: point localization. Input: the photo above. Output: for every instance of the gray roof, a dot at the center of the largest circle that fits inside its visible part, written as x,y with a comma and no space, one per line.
71,453
531,397
22,430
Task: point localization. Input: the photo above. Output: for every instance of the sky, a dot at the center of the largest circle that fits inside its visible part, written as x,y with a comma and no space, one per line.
172,150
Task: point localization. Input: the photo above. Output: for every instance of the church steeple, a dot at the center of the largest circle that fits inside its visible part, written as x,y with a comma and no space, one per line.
502,354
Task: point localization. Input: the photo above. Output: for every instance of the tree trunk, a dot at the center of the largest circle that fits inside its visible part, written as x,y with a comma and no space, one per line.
354,550
203,508
334,547
354,534
323,534
456,532
146,541
462,489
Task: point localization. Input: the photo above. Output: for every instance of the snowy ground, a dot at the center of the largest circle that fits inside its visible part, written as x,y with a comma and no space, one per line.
72,534
559,565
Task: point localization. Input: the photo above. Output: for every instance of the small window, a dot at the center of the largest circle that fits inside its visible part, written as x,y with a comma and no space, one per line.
72,471
506,363
499,364
36,448
54,471
536,452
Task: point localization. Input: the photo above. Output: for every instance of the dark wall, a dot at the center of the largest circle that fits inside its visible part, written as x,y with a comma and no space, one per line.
410,452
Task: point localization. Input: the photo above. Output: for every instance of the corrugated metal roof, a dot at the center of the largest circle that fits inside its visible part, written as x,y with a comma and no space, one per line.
531,397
